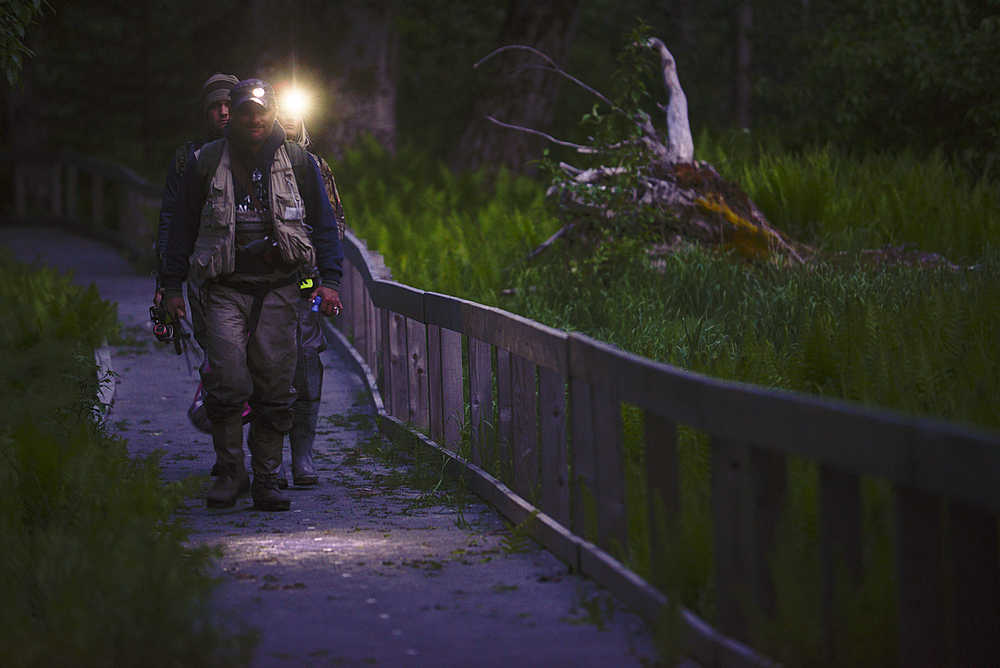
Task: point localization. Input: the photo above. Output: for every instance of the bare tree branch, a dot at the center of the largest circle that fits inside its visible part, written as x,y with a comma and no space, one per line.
580,148
552,68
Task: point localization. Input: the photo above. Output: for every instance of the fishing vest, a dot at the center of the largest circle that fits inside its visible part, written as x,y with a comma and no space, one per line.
214,252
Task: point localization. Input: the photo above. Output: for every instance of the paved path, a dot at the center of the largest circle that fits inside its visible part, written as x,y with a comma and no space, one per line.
365,569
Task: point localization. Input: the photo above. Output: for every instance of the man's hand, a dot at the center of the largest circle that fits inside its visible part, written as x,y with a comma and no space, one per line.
331,301
175,307
158,296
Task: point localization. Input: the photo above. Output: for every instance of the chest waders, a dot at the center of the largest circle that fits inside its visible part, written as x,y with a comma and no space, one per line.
246,261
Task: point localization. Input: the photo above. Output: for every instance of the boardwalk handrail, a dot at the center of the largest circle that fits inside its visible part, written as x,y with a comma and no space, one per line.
554,389
114,203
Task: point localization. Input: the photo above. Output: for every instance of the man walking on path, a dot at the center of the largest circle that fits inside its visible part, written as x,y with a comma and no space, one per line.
254,220
215,105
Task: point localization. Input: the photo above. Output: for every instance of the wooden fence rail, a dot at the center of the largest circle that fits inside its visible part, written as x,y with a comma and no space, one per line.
542,411
95,197
545,417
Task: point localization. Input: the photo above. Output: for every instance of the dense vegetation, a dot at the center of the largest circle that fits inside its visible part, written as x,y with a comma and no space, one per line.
853,325
94,566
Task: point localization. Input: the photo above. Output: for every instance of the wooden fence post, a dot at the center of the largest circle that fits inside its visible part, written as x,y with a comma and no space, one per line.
96,202
452,401
416,362
480,401
399,377
72,193
840,541
662,489
584,458
610,455
505,410
555,458
356,314
435,403
384,316
919,574
344,323
524,427
976,577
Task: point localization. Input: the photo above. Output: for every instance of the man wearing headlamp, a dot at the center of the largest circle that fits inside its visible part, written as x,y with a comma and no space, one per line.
254,220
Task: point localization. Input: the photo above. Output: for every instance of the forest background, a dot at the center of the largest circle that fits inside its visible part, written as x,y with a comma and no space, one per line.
854,124
120,78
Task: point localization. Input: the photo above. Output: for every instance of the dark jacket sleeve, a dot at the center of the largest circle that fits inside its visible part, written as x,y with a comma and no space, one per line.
182,231
168,206
324,236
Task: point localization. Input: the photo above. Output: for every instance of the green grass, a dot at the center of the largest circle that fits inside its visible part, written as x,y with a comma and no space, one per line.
912,339
96,571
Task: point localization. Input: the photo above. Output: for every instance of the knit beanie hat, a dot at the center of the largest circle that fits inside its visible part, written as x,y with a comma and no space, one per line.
216,89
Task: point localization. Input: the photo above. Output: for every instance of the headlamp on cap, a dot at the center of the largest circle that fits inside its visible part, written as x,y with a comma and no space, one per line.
253,90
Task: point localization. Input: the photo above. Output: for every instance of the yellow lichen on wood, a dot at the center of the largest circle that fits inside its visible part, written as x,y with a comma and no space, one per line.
747,238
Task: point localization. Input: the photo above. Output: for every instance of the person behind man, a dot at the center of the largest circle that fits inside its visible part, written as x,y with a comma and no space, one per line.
254,219
214,106
309,365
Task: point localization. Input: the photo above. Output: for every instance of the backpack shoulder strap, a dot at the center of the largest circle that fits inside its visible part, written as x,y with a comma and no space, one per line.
209,156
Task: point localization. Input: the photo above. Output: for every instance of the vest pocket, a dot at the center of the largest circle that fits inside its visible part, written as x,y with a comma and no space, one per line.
290,232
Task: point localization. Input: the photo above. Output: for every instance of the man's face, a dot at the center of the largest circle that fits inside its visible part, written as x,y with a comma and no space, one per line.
253,123
218,116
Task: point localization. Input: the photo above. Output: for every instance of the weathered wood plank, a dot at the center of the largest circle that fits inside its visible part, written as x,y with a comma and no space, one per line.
976,577
840,541
583,455
731,497
385,348
505,416
435,405
399,369
924,454
919,571
356,309
96,202
611,520
453,403
480,400
344,322
545,346
554,454
769,484
524,429
662,488
399,298
416,362
370,353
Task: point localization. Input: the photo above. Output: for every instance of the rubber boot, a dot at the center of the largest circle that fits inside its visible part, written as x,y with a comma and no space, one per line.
265,459
227,438
282,477
301,438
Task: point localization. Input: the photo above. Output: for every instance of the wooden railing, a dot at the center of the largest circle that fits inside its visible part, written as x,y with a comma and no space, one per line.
557,432
92,196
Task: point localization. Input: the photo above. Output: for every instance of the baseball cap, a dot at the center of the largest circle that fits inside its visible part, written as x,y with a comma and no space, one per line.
253,90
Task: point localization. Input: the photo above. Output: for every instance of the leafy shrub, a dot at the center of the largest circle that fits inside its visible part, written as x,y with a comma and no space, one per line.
95,568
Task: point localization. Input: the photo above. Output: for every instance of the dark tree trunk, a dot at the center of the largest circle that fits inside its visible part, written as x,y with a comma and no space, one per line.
515,94
743,82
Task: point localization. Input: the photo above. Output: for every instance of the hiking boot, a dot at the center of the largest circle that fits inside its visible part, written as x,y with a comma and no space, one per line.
266,495
282,478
